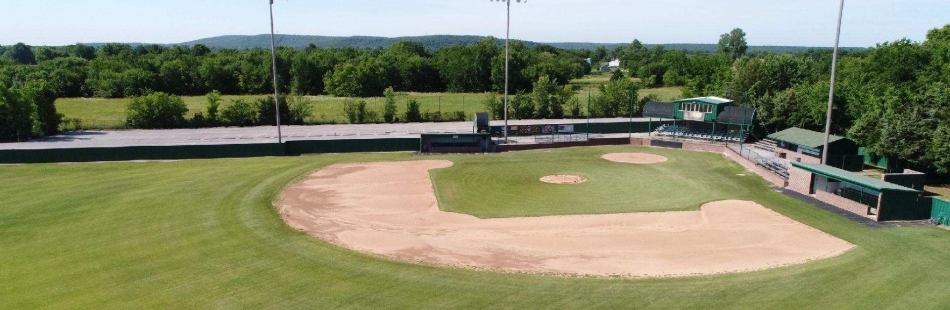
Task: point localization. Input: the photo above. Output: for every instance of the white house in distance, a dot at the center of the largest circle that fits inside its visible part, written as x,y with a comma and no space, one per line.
610,66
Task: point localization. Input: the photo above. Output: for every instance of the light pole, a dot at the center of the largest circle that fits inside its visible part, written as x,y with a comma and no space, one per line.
273,52
507,46
831,91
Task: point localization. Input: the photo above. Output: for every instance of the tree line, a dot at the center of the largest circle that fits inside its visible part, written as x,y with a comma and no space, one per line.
892,98
118,71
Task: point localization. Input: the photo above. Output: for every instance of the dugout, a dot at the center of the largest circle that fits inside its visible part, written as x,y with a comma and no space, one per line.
859,194
455,143
797,144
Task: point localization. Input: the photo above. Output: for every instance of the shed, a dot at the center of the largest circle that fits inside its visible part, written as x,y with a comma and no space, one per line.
804,145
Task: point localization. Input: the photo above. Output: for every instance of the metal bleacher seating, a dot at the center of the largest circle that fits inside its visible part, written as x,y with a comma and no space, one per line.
696,133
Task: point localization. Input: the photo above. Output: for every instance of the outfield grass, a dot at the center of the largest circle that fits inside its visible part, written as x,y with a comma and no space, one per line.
506,185
204,234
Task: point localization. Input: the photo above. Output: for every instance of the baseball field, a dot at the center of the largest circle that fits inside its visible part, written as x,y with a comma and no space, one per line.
224,234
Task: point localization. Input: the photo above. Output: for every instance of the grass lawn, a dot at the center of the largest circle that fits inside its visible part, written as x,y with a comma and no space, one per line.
507,185
204,234
100,113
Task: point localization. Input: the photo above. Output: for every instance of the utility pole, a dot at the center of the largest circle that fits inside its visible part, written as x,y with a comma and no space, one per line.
831,91
273,51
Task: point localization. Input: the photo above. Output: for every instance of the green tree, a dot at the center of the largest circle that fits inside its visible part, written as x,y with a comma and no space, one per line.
616,99
214,103
413,114
156,111
22,54
389,109
16,120
733,43
522,107
41,95
495,105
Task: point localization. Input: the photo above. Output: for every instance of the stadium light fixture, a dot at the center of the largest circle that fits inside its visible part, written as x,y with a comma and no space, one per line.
507,38
831,91
273,51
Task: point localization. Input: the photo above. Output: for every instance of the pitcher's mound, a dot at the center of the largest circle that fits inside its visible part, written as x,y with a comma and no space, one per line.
564,179
635,158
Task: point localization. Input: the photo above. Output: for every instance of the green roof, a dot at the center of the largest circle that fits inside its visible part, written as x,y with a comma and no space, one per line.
709,100
851,177
803,137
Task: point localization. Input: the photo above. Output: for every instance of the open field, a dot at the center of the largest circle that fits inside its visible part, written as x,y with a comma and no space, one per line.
100,113
204,234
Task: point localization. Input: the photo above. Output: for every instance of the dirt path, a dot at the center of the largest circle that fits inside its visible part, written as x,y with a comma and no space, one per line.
390,209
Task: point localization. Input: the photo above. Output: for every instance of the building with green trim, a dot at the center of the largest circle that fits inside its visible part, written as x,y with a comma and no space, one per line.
797,144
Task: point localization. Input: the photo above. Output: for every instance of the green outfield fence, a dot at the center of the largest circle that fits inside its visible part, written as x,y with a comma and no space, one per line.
940,212
174,152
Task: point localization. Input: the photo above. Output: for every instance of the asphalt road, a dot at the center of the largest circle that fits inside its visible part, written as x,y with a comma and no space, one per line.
248,135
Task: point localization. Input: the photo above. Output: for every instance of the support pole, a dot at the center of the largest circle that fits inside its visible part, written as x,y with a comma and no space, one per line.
507,38
273,51
588,112
831,91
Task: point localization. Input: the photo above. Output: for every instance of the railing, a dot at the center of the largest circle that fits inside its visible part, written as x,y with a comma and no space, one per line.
768,163
858,196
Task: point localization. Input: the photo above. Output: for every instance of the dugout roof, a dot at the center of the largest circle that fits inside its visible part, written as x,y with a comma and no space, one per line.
658,109
851,177
707,100
803,137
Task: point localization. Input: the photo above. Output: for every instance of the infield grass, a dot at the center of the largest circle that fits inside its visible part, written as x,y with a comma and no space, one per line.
204,234
507,185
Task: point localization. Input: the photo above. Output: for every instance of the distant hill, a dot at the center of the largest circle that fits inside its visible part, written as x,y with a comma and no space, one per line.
433,42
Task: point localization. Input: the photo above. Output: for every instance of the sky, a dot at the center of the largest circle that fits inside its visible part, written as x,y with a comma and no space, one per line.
766,22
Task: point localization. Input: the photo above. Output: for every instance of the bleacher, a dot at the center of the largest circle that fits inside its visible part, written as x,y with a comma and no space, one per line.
765,144
700,133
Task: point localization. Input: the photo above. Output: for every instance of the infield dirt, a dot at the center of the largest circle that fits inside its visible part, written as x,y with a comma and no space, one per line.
390,209
635,158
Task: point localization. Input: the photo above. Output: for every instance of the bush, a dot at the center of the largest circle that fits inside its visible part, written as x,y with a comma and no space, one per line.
240,113
459,116
198,121
299,110
156,111
356,112
266,113
413,115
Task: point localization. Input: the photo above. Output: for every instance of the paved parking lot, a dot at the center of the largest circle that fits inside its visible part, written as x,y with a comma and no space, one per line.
247,135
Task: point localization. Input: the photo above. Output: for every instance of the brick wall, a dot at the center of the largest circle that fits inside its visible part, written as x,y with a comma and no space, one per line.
749,165
843,203
699,147
795,156
799,180
639,141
